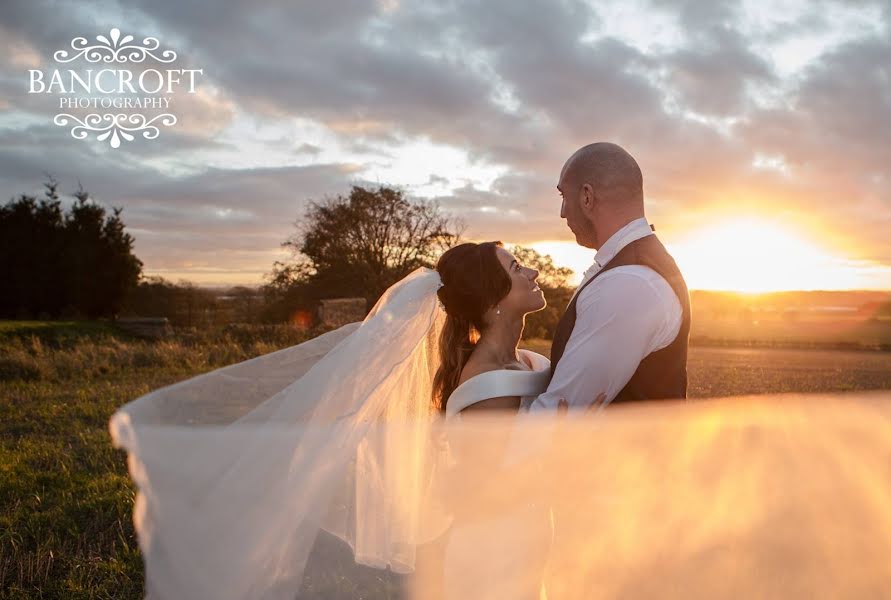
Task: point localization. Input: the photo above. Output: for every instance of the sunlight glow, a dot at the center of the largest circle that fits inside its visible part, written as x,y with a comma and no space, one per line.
746,254
755,255
567,254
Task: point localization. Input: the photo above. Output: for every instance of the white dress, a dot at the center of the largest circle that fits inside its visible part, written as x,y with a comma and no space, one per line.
484,559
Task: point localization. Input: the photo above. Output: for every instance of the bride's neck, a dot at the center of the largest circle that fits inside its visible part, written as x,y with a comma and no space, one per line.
500,340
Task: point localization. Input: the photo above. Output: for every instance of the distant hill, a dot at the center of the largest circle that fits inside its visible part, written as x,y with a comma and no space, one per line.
856,319
861,302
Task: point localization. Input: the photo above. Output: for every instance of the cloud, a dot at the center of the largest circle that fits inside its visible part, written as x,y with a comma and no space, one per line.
837,139
514,87
711,78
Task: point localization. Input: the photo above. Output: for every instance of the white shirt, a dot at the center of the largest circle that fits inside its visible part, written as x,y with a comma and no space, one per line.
623,316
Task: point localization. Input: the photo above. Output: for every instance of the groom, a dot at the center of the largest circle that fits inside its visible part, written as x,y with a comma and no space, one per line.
625,331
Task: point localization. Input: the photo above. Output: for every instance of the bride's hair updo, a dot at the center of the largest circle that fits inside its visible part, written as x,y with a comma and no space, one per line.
473,282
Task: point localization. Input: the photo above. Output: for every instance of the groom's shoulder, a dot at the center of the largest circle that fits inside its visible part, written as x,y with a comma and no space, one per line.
626,283
631,275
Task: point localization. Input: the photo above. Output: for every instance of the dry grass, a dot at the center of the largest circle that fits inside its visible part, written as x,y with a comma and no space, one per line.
66,498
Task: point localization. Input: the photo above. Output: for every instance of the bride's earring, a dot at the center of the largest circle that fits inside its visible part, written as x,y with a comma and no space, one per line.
497,311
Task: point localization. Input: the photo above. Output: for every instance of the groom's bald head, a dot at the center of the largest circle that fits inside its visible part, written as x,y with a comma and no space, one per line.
609,169
602,189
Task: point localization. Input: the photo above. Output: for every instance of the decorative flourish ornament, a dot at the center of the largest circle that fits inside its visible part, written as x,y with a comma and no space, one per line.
115,50
113,127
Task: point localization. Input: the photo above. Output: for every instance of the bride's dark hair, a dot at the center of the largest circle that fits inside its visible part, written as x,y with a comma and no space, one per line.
473,282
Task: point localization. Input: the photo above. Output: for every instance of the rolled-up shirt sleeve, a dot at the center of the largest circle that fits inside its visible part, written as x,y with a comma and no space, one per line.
622,317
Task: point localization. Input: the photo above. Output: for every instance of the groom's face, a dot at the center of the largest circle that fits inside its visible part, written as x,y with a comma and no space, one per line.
578,220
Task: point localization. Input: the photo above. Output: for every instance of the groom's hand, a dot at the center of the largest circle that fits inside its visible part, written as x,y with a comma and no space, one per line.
563,405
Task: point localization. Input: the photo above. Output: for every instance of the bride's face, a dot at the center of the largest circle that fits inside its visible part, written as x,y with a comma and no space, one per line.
525,296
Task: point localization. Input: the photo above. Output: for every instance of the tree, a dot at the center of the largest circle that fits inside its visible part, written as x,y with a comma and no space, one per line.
32,254
359,245
549,274
554,282
102,266
153,296
54,264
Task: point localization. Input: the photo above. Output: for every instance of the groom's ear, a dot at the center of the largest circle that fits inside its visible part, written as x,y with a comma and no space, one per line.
588,196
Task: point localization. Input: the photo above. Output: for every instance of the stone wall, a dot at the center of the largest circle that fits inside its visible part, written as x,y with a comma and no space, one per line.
150,327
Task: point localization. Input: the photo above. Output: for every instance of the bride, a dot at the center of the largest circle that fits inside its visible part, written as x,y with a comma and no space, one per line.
486,294
238,469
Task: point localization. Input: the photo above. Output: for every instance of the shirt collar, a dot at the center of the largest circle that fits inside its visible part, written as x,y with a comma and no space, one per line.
631,232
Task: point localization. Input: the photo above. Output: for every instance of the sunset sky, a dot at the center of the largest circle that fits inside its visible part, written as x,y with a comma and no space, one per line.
763,129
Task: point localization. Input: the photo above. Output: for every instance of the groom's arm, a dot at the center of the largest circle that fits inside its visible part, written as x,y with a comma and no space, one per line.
622,317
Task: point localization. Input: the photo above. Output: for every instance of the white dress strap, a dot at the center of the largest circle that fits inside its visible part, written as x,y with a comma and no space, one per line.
503,382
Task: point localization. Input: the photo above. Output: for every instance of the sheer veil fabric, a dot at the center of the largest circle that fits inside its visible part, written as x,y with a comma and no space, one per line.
757,497
238,469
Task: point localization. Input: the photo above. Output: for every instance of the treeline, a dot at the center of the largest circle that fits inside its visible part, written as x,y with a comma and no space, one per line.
79,263
185,304
63,264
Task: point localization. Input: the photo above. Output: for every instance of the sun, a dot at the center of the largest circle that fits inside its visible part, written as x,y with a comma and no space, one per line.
756,255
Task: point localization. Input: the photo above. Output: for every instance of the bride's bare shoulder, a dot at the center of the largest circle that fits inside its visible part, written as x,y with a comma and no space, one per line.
477,366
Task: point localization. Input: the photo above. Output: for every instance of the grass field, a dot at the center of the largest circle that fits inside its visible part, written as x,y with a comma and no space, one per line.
66,498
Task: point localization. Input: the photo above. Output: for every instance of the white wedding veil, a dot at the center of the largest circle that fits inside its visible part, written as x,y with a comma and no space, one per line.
238,469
